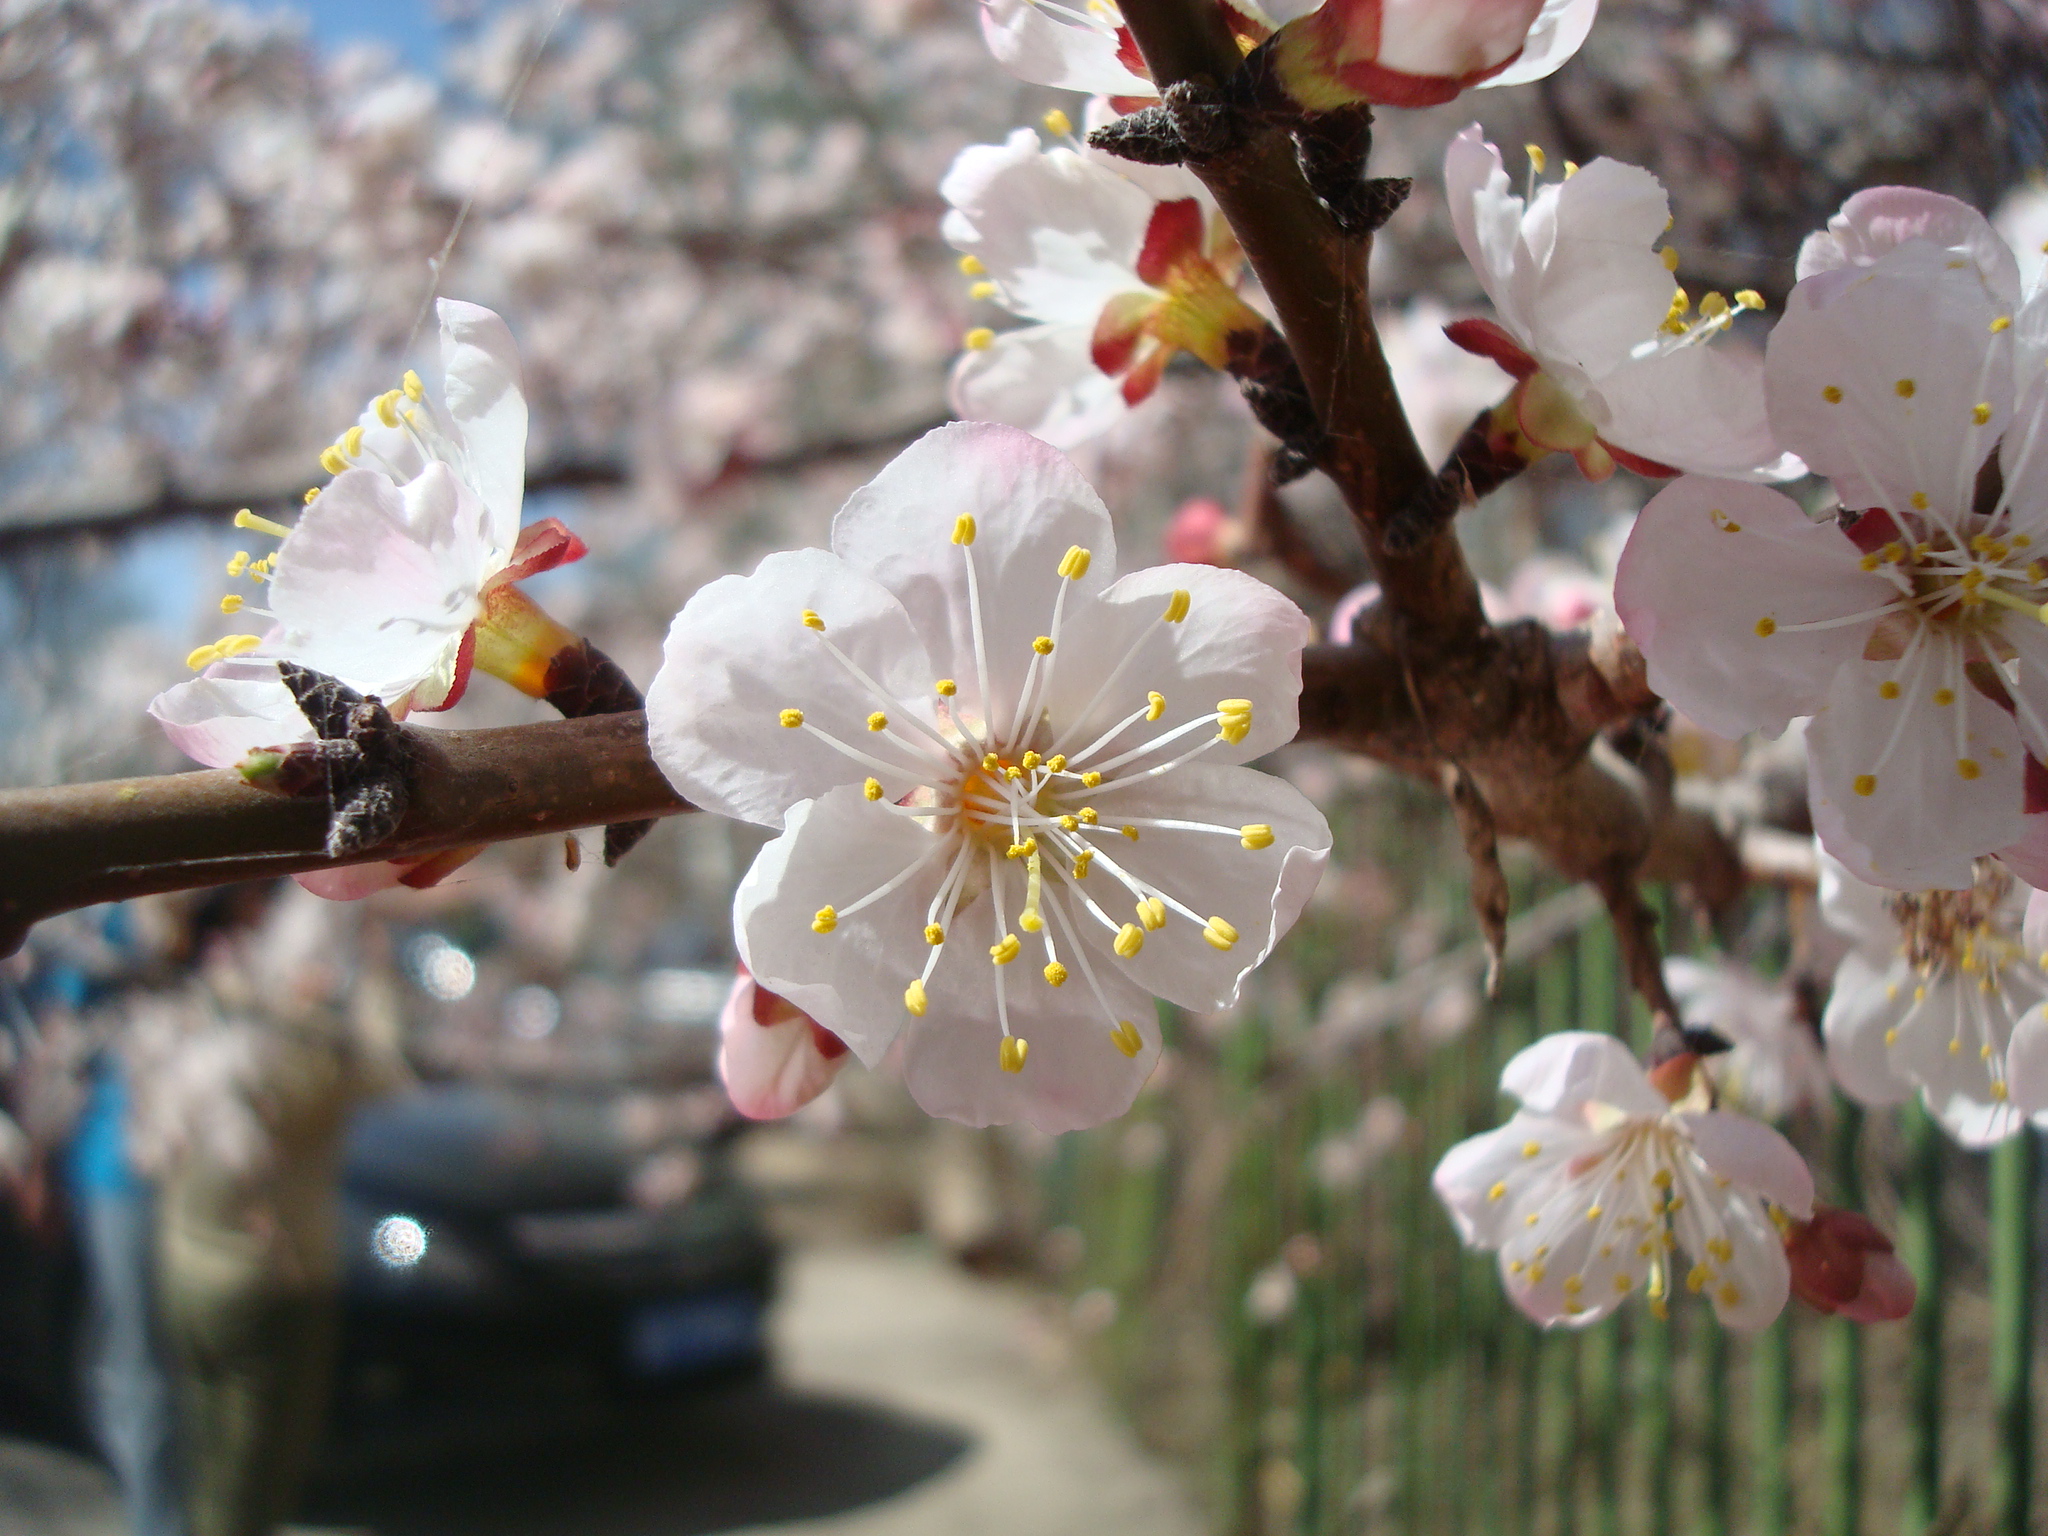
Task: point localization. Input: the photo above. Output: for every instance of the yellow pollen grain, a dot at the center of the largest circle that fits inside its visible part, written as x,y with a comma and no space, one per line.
1127,1039
963,528
1155,705
1766,627
2002,323
945,688
1057,762
1081,863
982,290
1887,689
1129,831
1129,940
934,935
1981,412
1074,563
1070,824
872,789
1968,768
812,621
1042,645
1005,949
1014,774
1055,974
826,920
1089,815
792,718
1057,123
1256,835
1904,389
1499,1189
1091,778
1729,1295
1012,1052
1832,394
980,339
1531,1148
1919,501
1177,606
990,763
971,266
878,721
1029,761
1944,696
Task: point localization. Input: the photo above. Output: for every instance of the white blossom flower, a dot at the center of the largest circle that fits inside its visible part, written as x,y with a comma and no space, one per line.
978,749
1598,1180
1913,638
1118,267
1776,1066
1942,994
1607,366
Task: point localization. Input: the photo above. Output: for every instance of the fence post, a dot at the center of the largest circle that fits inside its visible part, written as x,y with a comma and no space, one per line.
1920,1236
1770,1363
2012,1331
1717,1466
1842,1365
1600,1345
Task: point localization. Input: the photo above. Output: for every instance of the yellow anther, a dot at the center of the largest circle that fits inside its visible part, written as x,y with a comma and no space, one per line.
1029,761
2003,322
1832,394
1042,645
914,998
237,645
1234,719
1091,778
1074,563
1129,940
387,407
1023,850
312,495
1998,1092
934,935
792,718
963,528
2037,572
878,721
945,688
1081,862
240,563
1944,695
1055,974
1127,1038
1870,562
415,391
1012,1053
872,789
1129,831
1004,950
1536,1274
1089,815
1730,1295
1984,1051
202,658
1661,1178
1594,1211
1893,552
1712,306
1155,705
1177,605
1499,1189
1515,1266
1220,934
1981,412
332,461
352,441
980,339
990,763
1014,774
1955,1047
1537,159
1255,835
1571,169
1887,689
1669,256
1766,627
826,920
1919,499
1057,123
247,519
812,621
971,266
982,290
1660,1309
1623,1284
1748,298
1573,1285
232,603
1904,389
1968,768
1057,762
1069,824
1721,1249
1152,914
1697,1277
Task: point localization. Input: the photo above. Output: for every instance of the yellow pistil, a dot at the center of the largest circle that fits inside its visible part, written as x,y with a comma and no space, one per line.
247,519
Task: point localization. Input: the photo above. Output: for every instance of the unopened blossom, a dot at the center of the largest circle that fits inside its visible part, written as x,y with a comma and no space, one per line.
1422,53
1117,268
1600,1188
1842,1263
1913,636
1776,1065
772,1057
1942,995
1006,785
1611,360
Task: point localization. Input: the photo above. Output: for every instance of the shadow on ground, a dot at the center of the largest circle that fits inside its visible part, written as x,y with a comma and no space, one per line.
744,1456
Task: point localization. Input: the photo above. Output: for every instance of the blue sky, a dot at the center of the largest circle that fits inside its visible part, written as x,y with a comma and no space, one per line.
409,26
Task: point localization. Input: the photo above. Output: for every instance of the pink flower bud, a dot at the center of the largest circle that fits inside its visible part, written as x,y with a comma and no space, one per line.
1841,1263
772,1056
1202,532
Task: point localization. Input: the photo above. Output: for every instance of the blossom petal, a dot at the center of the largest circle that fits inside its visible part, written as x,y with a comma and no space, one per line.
1922,823
1592,284
1974,1124
1449,39
1239,639
1258,892
1752,1156
1878,220
379,583
1557,34
1488,219
833,851
1040,50
1470,1173
1563,1072
1708,562
217,720
1868,1001
1858,910
739,654
2026,1060
485,400
1030,504
1041,379
1755,1279
1875,374
1698,409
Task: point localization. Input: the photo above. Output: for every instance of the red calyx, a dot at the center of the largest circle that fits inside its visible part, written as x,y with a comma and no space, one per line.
1842,1263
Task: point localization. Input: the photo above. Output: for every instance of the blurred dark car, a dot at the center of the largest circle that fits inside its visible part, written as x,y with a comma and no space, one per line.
501,1246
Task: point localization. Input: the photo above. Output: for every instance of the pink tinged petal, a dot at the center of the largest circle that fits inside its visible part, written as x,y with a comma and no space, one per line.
1878,220
1483,338
1753,1157
1259,892
1711,562
2034,927
1562,1073
832,852
1858,910
1911,820
353,883
1120,332
379,583
1700,410
1074,1074
1486,1182
481,384
1868,1002
1974,1124
542,546
1488,218
1352,607
740,653
770,1056
1040,379
1875,374
217,720
1591,284
1030,504
1558,33
1240,639
1759,1274
1457,40
1173,235
2026,1058
1040,50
